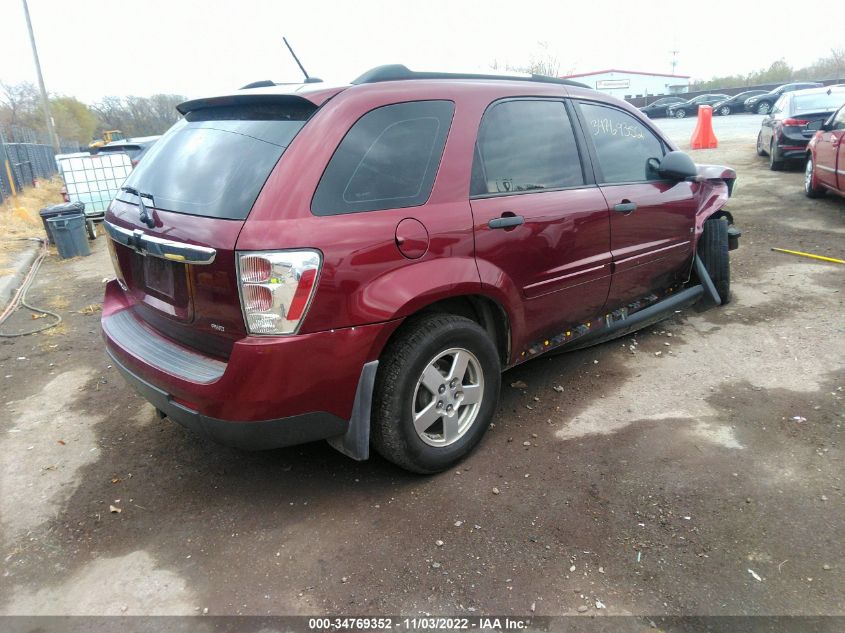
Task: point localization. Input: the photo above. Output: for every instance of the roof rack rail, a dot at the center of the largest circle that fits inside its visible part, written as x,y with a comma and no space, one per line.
399,72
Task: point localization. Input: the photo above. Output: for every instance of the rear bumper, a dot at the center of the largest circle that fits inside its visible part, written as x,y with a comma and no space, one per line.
272,391
266,434
791,147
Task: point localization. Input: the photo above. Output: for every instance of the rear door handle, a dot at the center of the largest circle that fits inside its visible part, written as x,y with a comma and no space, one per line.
625,207
506,221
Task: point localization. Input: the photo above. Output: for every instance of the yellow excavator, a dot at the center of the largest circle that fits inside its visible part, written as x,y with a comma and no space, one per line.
108,137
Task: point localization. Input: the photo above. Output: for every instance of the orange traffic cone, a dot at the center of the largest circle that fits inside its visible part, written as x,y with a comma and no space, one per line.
703,136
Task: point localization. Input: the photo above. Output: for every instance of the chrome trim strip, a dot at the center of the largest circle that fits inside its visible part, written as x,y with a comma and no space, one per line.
826,168
170,250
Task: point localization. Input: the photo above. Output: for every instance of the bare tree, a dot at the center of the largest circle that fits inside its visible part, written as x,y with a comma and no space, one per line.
20,102
542,63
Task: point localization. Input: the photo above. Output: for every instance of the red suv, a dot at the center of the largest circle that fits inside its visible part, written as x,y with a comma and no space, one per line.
360,263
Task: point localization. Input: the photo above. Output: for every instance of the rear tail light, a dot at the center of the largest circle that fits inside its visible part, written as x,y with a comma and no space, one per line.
277,288
795,122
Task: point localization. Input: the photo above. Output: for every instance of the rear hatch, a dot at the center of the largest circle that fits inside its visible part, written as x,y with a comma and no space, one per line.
809,111
197,186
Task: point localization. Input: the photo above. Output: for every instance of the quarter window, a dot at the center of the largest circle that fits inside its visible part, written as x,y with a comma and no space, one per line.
623,144
525,145
387,160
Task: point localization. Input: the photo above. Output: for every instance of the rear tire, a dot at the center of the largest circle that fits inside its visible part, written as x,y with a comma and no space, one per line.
811,189
774,163
725,110
714,253
408,388
760,150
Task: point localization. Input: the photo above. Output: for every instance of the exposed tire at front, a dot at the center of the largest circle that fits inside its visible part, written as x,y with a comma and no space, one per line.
811,187
713,248
435,394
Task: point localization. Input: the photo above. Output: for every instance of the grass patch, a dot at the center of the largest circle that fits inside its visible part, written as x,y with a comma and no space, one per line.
88,310
19,215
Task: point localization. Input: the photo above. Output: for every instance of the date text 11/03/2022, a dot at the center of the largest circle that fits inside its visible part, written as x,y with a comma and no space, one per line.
490,623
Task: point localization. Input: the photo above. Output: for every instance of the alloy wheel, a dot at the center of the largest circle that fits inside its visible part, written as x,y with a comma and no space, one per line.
808,176
763,108
447,397
725,110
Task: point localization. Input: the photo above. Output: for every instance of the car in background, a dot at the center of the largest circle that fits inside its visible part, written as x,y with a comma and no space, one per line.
794,119
736,103
690,108
135,148
763,104
825,167
659,108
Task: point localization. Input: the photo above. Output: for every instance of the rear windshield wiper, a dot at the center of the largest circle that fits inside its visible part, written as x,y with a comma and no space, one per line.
146,216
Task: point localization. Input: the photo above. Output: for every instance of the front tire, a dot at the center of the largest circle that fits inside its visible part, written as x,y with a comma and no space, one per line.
763,108
680,114
435,394
713,248
811,188
725,110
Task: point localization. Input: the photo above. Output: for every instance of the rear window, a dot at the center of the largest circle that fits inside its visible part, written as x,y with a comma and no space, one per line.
818,102
215,161
387,160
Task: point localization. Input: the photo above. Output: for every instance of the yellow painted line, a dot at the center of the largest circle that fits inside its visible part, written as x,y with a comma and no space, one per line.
810,255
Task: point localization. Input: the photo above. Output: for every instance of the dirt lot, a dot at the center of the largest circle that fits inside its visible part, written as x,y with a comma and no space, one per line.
695,468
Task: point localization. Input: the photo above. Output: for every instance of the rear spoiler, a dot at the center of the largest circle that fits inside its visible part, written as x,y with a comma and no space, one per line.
242,100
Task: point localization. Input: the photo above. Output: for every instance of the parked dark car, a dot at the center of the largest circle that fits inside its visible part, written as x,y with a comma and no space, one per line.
825,167
794,119
690,108
736,103
135,148
763,103
658,108
360,263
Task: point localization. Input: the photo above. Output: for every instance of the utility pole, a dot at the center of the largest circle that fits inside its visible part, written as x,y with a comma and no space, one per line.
674,58
45,103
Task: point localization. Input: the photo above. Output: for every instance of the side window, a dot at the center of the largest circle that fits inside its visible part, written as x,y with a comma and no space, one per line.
779,104
387,160
623,144
525,146
839,121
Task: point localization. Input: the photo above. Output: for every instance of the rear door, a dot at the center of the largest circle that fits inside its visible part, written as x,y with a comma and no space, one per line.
651,219
541,224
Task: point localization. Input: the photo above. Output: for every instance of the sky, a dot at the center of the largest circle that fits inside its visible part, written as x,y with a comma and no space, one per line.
93,48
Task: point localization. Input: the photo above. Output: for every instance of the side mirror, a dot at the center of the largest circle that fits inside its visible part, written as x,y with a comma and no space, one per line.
677,166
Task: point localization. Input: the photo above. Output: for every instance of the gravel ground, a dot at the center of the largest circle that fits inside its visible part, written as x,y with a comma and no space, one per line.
693,468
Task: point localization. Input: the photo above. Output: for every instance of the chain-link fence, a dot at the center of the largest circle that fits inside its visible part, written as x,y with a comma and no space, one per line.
26,156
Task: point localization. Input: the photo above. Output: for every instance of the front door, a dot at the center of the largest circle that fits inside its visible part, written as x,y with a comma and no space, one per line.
651,219
541,225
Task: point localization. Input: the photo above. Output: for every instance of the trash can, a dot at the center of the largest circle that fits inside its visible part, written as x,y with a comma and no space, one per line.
69,236
57,210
